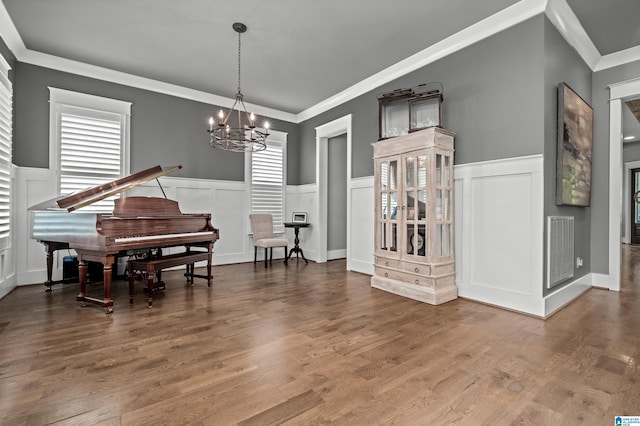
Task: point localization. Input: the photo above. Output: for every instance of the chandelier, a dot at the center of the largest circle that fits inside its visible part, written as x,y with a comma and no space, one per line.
236,130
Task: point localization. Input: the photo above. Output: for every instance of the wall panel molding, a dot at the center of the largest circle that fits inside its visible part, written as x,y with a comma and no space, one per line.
499,232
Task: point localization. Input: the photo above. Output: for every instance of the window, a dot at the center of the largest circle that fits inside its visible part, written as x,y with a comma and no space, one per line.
89,143
6,138
268,179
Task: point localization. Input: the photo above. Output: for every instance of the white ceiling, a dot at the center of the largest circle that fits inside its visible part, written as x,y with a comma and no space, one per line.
296,54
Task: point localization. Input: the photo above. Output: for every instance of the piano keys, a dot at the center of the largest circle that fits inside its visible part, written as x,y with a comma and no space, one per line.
136,223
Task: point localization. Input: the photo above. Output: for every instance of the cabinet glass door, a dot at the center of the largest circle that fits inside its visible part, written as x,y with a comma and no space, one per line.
388,199
415,202
443,237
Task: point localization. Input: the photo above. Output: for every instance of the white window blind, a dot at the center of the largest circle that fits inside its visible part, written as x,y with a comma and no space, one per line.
267,182
90,142
6,137
90,151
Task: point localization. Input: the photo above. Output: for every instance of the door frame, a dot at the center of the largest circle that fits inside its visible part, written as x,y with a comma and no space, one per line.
324,132
618,92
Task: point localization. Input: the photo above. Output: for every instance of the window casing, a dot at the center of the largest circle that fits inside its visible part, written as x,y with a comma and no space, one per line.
89,142
268,177
6,146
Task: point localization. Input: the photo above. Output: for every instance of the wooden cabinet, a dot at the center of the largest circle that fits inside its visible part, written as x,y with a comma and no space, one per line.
414,216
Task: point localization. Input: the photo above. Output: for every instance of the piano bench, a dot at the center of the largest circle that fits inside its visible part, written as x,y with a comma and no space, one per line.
154,265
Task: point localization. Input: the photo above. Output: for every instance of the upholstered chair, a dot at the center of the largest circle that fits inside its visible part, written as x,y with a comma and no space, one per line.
262,229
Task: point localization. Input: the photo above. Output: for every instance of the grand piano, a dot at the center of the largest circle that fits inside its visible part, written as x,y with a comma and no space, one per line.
136,224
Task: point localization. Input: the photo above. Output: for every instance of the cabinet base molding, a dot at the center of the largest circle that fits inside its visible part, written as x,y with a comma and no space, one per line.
433,295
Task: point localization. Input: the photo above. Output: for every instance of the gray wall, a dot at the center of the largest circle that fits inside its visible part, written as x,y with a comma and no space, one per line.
630,151
492,101
337,193
600,179
563,64
165,130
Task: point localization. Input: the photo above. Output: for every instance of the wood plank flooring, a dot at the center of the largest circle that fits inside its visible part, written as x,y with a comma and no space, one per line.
314,344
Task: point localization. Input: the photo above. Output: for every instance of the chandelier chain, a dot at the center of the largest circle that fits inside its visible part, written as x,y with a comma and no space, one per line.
239,34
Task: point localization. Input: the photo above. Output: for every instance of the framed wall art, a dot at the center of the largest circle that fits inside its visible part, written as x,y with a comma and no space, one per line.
299,217
575,141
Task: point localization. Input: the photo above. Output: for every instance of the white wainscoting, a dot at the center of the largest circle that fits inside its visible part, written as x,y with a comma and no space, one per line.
226,201
359,253
33,186
498,229
499,233
303,198
360,239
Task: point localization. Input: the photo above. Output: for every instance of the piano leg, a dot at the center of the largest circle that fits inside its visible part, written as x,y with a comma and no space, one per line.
131,276
82,271
150,279
107,303
209,256
50,249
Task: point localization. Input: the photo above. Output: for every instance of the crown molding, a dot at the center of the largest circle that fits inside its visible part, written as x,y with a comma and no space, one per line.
567,23
494,24
9,32
618,58
13,40
106,74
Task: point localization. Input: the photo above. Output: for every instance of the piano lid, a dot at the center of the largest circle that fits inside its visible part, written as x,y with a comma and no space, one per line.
91,195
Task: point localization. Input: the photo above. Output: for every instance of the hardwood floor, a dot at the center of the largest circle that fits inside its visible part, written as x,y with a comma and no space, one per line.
313,344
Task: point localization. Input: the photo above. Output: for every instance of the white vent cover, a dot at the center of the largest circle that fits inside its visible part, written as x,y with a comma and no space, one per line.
559,249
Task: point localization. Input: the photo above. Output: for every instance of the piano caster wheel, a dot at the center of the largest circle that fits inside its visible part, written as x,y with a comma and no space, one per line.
108,310
83,305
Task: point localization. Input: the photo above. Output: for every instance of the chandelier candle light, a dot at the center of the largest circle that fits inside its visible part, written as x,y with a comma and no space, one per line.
243,135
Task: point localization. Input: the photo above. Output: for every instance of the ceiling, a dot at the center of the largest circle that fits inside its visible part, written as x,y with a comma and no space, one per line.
296,53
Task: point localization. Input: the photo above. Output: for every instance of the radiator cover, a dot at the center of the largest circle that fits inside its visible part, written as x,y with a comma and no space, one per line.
560,248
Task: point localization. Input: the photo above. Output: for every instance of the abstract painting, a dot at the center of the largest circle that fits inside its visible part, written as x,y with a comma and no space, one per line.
575,141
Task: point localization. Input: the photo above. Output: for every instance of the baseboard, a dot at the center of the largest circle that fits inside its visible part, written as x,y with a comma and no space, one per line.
336,254
226,259
8,285
600,280
36,276
567,294
360,266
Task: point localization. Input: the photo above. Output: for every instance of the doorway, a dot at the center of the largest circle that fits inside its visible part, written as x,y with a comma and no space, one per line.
334,128
617,93
337,198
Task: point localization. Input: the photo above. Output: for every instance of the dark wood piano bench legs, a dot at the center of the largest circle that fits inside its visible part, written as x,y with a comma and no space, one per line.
154,265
